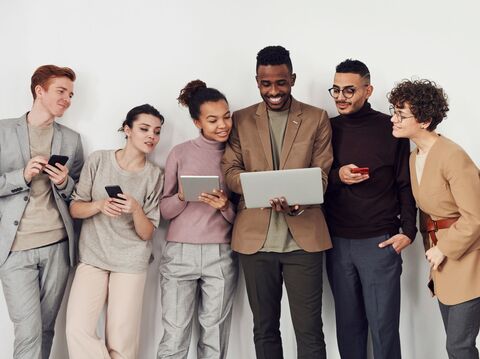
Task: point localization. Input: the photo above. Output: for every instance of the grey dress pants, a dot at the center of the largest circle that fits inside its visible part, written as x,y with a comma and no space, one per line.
34,282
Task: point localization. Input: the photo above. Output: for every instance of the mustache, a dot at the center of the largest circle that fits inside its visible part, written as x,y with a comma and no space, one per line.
343,102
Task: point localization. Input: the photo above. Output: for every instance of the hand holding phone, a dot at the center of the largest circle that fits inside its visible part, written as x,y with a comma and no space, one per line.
57,174
57,159
114,191
351,174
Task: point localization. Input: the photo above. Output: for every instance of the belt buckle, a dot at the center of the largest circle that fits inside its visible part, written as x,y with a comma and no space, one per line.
435,226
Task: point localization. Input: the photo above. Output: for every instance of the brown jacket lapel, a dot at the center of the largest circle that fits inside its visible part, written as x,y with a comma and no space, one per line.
264,132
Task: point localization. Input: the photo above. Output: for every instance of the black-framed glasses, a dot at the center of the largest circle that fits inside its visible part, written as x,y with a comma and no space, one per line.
347,91
400,118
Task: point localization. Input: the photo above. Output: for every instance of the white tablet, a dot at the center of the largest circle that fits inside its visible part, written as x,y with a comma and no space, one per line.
299,186
194,185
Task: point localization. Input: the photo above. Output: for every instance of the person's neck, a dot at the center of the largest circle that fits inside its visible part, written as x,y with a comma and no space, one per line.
425,140
39,117
130,159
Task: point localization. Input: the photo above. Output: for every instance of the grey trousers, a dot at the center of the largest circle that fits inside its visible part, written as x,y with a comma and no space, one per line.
34,282
462,322
365,282
191,275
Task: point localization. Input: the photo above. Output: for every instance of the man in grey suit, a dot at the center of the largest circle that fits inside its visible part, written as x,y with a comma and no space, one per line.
37,239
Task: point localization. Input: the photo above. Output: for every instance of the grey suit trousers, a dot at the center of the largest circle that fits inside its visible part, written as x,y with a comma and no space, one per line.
34,282
191,275
462,322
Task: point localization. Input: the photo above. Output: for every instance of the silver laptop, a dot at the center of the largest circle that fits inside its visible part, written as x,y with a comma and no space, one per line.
299,186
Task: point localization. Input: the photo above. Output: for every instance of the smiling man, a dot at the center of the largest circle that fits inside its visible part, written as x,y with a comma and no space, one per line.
36,230
368,200
282,243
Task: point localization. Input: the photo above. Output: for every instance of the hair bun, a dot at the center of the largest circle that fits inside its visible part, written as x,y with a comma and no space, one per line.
189,90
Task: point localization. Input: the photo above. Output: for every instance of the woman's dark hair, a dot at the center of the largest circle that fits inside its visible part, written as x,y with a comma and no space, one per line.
427,101
133,114
195,94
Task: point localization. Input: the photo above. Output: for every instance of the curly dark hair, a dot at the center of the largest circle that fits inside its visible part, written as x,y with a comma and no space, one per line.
195,94
427,101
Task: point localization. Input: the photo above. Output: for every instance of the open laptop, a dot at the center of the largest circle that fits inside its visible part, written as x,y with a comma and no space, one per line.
299,186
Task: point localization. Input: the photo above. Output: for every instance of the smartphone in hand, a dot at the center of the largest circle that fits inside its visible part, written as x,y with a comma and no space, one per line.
361,170
57,159
113,191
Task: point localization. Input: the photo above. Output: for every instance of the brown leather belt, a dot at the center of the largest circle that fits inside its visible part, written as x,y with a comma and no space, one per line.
434,226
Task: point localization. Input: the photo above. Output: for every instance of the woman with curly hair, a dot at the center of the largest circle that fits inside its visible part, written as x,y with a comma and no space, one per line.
446,185
198,267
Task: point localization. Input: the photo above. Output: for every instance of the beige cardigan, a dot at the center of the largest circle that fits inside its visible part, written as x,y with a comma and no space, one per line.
450,187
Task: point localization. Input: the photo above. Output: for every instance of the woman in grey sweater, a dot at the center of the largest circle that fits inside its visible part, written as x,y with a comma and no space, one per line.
115,245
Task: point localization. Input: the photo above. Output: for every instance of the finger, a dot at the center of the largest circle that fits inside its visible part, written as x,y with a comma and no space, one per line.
61,167
386,243
37,166
52,168
210,196
39,159
284,204
49,172
119,201
115,207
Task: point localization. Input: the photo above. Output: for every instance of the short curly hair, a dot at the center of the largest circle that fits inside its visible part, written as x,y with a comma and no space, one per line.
427,101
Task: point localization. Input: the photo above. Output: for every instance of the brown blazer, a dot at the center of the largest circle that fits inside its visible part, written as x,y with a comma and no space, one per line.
307,143
450,187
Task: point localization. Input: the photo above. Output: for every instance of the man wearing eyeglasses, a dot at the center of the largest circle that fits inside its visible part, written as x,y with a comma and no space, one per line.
368,202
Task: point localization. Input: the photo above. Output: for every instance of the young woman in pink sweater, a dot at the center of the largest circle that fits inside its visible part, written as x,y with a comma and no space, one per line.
198,267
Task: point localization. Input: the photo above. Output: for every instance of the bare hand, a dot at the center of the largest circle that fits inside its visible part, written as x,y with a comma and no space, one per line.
34,167
435,257
108,207
218,199
398,242
127,203
347,177
281,205
180,194
57,174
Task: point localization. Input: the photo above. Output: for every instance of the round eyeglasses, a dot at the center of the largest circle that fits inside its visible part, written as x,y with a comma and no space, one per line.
347,91
400,118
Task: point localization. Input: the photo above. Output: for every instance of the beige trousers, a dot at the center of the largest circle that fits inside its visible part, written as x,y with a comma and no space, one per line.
123,293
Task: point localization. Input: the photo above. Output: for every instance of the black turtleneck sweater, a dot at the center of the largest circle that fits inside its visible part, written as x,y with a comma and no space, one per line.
383,203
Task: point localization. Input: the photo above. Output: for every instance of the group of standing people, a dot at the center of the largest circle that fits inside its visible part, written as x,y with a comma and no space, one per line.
372,183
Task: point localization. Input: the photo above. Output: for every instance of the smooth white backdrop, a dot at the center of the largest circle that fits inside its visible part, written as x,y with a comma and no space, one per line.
129,53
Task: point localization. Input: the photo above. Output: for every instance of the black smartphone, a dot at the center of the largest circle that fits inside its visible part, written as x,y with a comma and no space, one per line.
113,191
57,159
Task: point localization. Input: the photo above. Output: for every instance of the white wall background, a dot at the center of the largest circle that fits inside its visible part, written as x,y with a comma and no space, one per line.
129,53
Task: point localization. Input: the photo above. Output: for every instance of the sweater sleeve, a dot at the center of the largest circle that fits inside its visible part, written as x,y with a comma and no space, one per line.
463,179
170,205
408,209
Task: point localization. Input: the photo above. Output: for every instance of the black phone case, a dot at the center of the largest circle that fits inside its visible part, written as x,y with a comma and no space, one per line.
113,191
57,159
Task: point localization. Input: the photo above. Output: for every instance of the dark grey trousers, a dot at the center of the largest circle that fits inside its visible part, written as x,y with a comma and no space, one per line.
462,322
365,282
302,273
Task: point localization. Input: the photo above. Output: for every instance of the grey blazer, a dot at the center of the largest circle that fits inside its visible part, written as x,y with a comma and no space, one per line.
14,192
